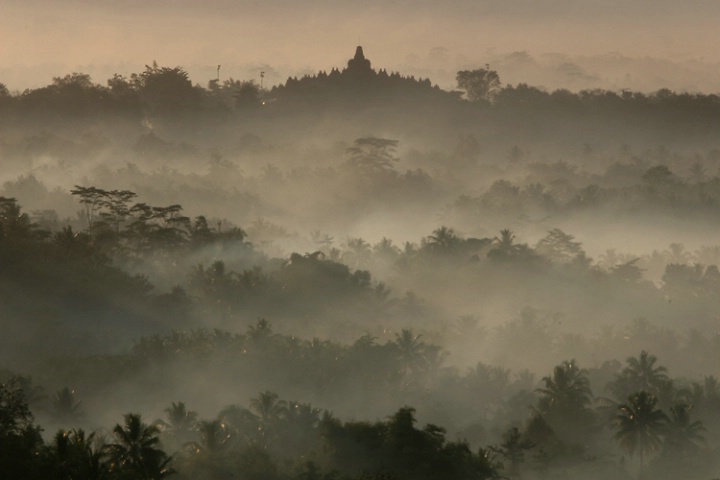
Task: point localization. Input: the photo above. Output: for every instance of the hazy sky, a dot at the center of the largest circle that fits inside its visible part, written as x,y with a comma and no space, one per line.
42,39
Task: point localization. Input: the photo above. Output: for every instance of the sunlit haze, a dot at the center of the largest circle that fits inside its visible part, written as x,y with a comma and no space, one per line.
573,44
344,240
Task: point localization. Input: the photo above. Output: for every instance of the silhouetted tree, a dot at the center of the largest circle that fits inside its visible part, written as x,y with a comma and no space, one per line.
480,84
248,96
270,410
373,155
565,401
64,404
640,426
21,444
683,437
559,247
512,449
80,456
640,374
167,91
135,452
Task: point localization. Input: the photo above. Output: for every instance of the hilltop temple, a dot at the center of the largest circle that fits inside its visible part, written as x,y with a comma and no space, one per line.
359,81
359,65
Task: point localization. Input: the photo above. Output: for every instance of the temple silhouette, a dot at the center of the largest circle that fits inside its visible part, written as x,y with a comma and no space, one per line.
359,65
358,82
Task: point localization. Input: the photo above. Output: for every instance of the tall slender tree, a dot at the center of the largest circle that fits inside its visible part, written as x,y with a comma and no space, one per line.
640,374
640,426
136,453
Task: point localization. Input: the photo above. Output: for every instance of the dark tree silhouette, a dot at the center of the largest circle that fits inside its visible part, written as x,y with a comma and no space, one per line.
20,442
559,247
213,435
135,452
179,418
270,410
480,84
684,436
443,240
640,374
640,426
513,449
80,455
373,155
64,403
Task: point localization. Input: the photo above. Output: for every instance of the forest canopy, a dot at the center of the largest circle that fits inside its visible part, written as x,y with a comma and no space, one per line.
357,275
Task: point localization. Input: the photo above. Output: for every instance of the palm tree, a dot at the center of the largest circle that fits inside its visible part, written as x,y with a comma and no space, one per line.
267,406
443,239
567,391
506,240
640,426
180,419
565,401
410,351
79,455
64,403
505,248
385,250
269,411
358,253
640,374
135,450
213,435
239,423
260,332
467,326
683,436
179,426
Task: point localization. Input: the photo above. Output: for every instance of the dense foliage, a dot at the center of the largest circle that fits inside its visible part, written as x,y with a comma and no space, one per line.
434,277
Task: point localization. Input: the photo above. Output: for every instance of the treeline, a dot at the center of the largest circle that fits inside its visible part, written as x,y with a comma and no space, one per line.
652,190
61,278
109,270
157,91
168,94
558,426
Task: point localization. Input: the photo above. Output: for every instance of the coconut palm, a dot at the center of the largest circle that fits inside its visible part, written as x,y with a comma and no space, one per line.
410,351
565,400
269,411
213,435
640,374
240,423
506,240
64,403
267,406
683,436
178,429
135,451
385,250
640,426
358,253
180,419
442,240
79,455
567,390
260,332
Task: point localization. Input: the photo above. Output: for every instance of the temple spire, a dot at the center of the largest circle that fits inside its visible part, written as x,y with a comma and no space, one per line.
359,63
359,55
